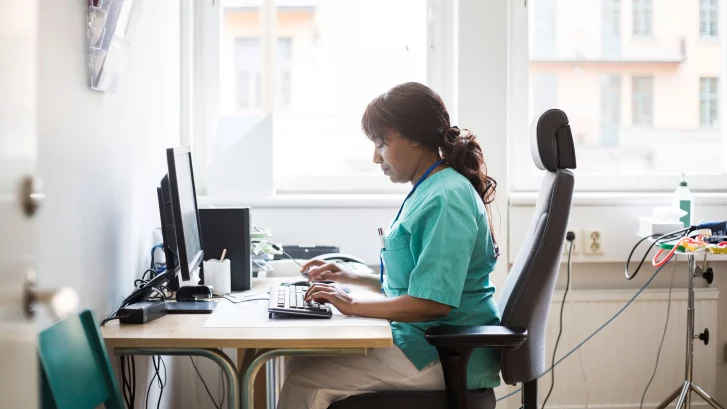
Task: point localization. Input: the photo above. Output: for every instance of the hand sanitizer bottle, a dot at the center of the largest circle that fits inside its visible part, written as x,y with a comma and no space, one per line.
683,199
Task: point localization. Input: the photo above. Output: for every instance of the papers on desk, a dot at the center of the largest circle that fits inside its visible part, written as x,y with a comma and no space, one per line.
254,314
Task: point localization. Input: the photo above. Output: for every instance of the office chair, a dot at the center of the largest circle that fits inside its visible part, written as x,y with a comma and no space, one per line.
524,302
74,366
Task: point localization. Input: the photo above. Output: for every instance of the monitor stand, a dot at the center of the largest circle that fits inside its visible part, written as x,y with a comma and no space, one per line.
193,278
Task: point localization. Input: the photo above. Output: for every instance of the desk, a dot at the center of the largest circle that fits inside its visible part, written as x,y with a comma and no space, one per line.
186,335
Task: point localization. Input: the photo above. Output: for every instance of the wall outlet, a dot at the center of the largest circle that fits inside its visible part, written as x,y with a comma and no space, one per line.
566,246
593,242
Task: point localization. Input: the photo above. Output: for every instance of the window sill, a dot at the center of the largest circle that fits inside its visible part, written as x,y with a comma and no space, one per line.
393,201
525,199
311,201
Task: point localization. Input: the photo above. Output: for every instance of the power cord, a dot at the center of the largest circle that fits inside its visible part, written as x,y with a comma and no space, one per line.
570,237
158,363
205,384
583,376
128,380
238,301
599,329
663,336
280,248
658,239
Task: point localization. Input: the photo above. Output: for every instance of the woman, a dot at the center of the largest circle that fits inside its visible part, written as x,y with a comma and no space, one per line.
437,255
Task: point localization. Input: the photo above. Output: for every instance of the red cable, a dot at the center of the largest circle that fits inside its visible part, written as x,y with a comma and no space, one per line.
660,263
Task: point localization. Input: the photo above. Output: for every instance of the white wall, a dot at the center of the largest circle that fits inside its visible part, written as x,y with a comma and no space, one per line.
101,155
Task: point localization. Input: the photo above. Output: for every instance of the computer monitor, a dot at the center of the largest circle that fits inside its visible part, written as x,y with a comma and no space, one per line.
184,210
169,235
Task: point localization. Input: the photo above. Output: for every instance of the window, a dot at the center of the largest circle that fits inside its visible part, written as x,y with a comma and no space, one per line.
708,102
635,110
328,59
708,18
610,109
642,96
545,91
247,68
544,32
611,28
642,17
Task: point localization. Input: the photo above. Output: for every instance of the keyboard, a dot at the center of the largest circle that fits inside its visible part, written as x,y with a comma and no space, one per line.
290,301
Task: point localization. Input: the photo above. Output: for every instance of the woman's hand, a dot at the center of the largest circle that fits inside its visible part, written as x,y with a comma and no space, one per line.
327,293
319,270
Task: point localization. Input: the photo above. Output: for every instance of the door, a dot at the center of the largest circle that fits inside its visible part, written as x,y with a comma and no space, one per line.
18,49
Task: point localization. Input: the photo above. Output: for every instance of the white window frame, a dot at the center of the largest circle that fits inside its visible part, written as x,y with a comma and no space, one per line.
706,8
642,16
519,135
642,100
709,99
202,76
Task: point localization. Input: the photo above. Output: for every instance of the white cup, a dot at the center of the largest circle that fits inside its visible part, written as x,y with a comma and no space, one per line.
217,274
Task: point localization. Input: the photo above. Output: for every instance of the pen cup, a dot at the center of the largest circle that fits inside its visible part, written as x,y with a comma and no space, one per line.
217,274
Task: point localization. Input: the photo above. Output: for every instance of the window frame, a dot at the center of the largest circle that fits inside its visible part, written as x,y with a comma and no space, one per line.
642,14
709,10
710,99
204,81
521,180
642,100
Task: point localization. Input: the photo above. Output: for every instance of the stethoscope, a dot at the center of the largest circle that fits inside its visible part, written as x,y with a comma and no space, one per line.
381,232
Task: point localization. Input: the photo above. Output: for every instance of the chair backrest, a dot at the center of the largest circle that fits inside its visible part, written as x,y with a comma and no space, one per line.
528,290
75,368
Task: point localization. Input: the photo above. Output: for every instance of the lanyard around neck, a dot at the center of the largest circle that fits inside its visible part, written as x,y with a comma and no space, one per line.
416,185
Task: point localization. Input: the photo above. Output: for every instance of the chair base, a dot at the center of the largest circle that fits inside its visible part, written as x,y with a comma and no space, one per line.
479,398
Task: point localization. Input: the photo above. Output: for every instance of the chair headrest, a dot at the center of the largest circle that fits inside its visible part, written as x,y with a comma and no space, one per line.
551,142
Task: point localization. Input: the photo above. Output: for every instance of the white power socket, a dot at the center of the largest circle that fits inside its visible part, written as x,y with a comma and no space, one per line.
592,242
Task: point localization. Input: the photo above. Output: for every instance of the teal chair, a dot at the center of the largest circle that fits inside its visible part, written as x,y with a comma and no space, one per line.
75,369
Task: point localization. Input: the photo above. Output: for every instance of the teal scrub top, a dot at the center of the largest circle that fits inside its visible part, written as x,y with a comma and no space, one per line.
441,249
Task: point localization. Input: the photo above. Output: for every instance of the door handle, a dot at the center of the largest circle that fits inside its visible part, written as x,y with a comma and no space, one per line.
60,302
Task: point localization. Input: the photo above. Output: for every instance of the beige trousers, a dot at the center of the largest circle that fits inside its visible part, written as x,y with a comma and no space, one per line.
316,382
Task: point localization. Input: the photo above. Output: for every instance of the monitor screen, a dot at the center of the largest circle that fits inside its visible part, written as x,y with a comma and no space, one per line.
184,204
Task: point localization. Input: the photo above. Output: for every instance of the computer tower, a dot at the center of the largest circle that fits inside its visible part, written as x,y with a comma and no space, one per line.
228,228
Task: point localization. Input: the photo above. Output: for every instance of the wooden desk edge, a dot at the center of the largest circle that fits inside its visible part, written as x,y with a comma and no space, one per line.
247,343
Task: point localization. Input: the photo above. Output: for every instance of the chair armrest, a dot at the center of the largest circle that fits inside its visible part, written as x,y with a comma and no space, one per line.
455,345
485,336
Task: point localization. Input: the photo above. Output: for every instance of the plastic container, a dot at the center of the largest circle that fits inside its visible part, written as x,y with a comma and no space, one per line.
683,199
217,275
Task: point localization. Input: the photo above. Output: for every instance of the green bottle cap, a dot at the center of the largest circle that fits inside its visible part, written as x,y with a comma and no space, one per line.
684,180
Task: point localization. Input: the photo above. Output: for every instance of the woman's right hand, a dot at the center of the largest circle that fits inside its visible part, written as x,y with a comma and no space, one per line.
319,270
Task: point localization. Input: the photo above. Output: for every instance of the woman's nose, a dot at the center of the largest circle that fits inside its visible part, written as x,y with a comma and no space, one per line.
377,157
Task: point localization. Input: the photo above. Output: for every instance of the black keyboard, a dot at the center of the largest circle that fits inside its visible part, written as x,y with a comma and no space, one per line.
290,301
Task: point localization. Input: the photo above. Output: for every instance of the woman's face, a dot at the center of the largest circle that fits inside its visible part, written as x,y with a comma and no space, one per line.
398,157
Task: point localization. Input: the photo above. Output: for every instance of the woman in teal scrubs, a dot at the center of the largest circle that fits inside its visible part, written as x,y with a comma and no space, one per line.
437,257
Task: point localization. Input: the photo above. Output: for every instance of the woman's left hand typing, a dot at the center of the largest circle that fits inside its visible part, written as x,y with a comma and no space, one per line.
331,294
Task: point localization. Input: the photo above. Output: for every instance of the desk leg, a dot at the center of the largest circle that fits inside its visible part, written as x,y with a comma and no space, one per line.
216,355
244,358
248,386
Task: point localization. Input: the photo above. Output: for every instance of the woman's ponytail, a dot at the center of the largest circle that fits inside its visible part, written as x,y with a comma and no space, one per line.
463,153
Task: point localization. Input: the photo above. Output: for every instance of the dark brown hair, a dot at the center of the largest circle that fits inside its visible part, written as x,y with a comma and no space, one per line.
418,113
